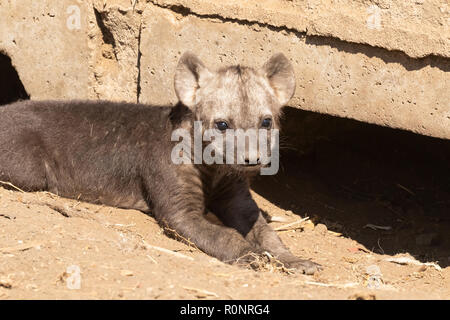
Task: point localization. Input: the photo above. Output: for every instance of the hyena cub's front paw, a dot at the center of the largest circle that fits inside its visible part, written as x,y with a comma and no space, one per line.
304,266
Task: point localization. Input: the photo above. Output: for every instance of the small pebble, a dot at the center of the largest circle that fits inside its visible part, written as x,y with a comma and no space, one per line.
126,273
321,228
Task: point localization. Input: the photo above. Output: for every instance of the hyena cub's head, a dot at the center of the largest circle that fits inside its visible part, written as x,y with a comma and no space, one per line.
236,103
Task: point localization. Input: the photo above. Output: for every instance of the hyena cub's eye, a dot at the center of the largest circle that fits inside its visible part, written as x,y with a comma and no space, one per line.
266,123
221,125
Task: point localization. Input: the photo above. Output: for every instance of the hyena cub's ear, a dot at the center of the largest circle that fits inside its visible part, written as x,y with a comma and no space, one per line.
280,74
190,75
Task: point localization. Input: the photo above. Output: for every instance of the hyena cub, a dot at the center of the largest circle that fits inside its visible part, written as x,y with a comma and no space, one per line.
121,154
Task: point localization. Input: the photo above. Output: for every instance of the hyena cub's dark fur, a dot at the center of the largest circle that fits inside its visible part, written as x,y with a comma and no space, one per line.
119,154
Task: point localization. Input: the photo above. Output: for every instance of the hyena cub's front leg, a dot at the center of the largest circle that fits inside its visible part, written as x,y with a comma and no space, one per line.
238,210
223,243
180,209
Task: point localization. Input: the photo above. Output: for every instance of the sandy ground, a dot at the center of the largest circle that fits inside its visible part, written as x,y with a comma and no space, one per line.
123,254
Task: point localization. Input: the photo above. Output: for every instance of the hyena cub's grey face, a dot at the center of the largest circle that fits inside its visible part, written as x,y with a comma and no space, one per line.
236,100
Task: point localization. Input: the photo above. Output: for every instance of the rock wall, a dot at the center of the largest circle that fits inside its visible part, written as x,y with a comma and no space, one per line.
379,61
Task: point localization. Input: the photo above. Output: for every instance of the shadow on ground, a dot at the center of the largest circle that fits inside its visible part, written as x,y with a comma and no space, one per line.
347,174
